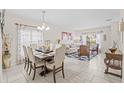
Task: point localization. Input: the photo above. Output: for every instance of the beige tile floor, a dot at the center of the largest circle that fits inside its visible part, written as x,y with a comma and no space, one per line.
76,71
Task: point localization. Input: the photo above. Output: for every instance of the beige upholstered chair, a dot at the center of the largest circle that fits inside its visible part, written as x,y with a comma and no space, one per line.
33,63
58,64
26,58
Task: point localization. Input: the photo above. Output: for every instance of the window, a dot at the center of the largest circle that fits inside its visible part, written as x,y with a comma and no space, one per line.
27,36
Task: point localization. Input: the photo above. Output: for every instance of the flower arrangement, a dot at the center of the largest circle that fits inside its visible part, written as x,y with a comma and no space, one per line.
5,43
114,47
114,44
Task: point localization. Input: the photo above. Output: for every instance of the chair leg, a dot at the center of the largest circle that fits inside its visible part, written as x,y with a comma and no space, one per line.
106,71
88,58
54,77
44,70
63,71
28,66
34,74
25,65
30,70
121,72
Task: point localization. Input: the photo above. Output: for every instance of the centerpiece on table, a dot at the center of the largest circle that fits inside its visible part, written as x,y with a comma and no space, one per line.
113,49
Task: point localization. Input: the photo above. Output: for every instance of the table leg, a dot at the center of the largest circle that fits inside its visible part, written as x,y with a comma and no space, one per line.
46,71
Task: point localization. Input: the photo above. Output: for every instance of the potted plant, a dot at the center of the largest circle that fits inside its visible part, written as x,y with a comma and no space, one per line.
5,43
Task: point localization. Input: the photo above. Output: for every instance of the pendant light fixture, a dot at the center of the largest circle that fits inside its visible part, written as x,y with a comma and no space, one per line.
44,26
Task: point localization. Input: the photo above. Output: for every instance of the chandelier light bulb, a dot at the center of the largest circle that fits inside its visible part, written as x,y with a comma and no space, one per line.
47,28
39,27
44,25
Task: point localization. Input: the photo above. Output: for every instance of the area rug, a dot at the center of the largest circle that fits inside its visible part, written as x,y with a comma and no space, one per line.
82,58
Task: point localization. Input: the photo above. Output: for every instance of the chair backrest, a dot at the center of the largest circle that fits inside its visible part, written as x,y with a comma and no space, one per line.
25,51
30,54
59,56
97,48
113,56
84,50
64,46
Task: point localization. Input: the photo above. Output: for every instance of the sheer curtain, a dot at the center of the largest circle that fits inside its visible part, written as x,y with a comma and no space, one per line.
27,36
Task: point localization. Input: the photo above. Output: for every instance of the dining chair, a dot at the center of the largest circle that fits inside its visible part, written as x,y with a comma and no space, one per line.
58,64
34,64
26,60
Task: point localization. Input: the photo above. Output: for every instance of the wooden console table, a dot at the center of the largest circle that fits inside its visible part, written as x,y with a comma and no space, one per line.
113,61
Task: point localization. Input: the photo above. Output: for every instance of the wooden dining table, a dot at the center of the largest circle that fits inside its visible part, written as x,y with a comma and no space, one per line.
44,58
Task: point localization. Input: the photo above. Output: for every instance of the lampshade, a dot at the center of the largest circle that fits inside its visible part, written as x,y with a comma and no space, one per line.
121,26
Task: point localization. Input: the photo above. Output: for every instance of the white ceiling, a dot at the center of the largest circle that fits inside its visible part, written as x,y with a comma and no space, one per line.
70,18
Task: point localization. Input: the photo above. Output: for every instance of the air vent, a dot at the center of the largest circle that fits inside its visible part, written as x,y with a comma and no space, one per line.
108,20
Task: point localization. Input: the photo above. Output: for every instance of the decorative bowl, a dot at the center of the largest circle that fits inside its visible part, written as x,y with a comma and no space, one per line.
113,50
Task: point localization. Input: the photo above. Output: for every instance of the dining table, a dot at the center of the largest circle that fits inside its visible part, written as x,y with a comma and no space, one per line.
44,57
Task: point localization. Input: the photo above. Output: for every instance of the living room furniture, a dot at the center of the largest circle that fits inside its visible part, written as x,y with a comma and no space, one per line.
71,50
113,61
94,48
33,63
58,64
84,50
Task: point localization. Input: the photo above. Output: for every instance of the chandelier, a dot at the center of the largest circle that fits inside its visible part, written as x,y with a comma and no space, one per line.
44,26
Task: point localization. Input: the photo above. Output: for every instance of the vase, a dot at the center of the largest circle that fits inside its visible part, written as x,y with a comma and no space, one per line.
113,50
6,60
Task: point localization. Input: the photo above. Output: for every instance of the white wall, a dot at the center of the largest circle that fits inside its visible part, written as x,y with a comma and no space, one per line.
54,34
116,34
